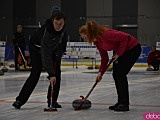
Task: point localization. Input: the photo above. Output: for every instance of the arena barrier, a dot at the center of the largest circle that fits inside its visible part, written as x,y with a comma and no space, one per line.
78,53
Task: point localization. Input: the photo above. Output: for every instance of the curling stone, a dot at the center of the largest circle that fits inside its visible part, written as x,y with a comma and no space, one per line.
149,69
90,67
78,103
4,69
96,67
1,72
11,65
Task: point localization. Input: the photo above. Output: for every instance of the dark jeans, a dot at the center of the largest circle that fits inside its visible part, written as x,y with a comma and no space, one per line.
121,68
33,79
155,65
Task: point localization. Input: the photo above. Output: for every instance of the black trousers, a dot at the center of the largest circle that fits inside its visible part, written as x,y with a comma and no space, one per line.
56,59
121,68
56,88
17,52
155,65
33,79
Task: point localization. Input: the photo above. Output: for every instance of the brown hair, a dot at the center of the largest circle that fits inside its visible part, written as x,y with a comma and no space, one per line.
58,16
92,30
83,29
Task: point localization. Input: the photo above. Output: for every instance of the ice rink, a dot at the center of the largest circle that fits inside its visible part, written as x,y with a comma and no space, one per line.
144,87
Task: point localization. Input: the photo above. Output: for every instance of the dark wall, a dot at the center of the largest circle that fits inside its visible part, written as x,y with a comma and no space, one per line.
24,13
149,21
43,10
100,11
109,12
75,10
125,12
6,20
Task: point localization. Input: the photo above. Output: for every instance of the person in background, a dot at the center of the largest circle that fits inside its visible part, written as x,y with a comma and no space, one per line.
19,41
50,32
154,59
127,51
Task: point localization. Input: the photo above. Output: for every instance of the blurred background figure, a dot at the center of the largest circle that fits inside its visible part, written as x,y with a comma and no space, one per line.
19,41
153,59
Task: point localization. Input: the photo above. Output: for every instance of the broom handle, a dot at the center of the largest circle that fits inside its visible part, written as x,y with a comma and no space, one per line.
93,87
52,86
25,62
96,83
91,90
52,91
21,53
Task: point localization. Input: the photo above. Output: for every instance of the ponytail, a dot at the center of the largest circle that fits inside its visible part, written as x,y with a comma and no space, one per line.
91,27
93,30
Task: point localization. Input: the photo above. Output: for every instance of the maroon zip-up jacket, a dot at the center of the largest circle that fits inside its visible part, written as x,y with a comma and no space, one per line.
115,40
153,56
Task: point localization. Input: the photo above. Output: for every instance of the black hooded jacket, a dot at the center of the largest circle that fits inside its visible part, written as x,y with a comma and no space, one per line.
19,39
48,42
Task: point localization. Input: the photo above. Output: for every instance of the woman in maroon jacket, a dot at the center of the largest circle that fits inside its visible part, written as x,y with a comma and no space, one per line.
127,51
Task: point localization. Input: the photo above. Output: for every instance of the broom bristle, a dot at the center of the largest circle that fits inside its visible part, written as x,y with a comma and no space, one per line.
51,109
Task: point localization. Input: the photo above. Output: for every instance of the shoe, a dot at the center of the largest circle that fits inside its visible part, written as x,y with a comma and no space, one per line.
154,69
17,104
121,108
56,105
113,106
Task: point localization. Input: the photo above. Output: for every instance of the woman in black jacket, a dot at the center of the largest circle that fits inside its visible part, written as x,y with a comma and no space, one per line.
52,31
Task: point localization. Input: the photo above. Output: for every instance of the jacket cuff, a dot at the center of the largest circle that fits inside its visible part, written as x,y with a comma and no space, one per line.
50,75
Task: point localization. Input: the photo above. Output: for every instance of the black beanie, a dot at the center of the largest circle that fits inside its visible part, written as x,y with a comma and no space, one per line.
55,10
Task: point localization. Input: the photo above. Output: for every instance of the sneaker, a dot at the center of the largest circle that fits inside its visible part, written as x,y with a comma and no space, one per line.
17,104
56,105
113,106
121,108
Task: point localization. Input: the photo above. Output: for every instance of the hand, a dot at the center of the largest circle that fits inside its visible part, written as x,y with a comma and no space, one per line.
99,77
52,81
115,57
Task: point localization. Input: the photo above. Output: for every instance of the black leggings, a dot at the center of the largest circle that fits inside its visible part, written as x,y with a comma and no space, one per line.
121,68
